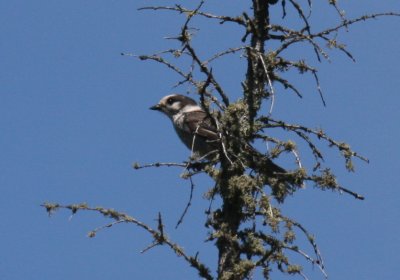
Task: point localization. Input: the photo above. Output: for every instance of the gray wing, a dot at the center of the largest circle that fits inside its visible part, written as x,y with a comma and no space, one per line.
200,123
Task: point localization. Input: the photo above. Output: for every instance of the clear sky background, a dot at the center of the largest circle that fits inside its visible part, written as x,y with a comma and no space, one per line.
74,117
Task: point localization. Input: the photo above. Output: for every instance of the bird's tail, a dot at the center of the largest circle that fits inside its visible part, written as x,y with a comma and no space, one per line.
280,180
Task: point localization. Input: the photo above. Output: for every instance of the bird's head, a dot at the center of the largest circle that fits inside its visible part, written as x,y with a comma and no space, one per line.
174,104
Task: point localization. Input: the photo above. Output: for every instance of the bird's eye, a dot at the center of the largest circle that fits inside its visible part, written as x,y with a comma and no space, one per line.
170,101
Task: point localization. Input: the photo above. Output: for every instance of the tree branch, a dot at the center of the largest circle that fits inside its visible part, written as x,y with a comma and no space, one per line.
158,235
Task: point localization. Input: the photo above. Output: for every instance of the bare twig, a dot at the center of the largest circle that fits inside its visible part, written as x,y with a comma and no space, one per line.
96,230
189,203
319,261
287,84
180,9
225,52
271,87
356,195
158,164
208,73
187,76
345,23
301,66
302,15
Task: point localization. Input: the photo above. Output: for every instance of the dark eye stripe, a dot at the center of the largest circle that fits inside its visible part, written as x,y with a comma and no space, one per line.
170,101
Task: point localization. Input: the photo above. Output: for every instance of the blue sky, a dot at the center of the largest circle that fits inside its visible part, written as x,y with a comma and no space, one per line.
74,117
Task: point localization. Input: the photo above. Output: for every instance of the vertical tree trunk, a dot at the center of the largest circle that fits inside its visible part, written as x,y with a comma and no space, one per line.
256,78
231,215
228,222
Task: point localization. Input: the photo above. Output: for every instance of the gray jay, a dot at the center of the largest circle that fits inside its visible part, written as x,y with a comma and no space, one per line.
197,131
191,123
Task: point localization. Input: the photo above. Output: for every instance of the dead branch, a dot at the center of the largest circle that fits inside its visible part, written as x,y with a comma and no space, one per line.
182,10
158,235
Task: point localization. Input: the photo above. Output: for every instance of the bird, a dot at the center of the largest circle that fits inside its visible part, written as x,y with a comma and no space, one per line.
192,124
198,132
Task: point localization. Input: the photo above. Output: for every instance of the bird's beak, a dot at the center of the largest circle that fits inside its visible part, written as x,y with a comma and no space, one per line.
156,107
